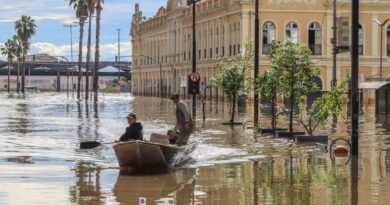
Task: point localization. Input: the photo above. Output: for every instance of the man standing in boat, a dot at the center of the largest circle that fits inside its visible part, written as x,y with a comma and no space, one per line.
134,130
184,124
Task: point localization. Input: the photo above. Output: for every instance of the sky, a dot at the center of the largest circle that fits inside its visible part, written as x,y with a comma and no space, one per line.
53,38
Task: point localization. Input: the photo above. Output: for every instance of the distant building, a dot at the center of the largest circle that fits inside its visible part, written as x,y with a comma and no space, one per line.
224,26
53,75
41,58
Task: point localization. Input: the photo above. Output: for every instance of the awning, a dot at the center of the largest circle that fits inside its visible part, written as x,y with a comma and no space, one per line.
372,85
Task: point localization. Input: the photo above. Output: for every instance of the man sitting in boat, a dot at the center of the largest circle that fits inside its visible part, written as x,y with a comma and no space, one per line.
134,130
184,124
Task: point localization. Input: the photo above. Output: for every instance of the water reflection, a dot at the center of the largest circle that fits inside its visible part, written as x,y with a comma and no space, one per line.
176,187
39,154
87,189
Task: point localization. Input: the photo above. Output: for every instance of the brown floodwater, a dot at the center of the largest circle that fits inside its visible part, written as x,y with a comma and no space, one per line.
41,163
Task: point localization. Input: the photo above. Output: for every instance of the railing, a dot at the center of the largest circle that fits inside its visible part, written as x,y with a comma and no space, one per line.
316,49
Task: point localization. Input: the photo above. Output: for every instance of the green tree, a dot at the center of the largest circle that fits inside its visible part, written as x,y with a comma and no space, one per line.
330,103
97,49
10,49
234,78
268,85
293,64
81,9
25,28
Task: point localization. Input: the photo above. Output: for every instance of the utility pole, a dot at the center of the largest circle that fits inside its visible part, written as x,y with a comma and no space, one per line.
334,42
119,54
354,167
70,26
256,69
193,53
355,76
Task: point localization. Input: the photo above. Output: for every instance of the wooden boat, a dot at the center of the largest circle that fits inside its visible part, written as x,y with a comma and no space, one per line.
154,155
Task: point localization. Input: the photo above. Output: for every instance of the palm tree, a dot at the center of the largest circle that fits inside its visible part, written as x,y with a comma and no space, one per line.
9,50
96,70
25,29
91,10
81,9
18,54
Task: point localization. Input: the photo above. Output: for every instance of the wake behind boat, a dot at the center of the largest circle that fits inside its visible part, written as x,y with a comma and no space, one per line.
154,155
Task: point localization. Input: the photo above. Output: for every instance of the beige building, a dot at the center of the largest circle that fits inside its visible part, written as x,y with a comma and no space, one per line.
162,44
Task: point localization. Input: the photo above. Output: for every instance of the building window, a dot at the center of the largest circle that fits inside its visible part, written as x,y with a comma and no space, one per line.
361,39
234,49
211,53
184,56
230,50
216,51
223,51
388,41
204,53
315,38
200,53
238,49
292,32
269,35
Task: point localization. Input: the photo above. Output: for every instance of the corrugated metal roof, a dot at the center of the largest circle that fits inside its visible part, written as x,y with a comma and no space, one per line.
372,85
110,69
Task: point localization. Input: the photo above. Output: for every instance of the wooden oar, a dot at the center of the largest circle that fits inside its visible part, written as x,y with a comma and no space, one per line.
92,144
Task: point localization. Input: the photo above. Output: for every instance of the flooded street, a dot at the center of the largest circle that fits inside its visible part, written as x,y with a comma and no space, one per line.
41,162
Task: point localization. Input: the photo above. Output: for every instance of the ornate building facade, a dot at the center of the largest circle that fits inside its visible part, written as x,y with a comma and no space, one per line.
162,44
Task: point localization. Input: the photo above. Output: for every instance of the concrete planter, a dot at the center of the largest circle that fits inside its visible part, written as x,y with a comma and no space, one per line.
232,123
323,139
289,135
271,131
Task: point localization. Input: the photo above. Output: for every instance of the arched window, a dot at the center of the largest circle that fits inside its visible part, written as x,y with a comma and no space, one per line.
292,32
315,38
361,39
388,41
269,35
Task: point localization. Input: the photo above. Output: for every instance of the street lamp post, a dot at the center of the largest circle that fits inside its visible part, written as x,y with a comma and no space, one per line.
70,26
119,54
381,47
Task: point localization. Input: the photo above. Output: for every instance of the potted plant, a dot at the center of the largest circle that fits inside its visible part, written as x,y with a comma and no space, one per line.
234,79
330,103
293,65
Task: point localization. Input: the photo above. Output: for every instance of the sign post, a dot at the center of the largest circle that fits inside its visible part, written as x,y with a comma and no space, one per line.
193,83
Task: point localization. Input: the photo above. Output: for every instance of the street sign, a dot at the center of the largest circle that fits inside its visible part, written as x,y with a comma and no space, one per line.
102,84
193,83
194,77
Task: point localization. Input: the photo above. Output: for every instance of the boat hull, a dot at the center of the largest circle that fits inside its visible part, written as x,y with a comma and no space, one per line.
149,156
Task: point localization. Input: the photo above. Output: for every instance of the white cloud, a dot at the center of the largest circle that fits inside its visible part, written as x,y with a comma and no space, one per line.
107,51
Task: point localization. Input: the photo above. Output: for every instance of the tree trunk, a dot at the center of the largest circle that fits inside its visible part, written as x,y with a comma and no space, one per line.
9,74
23,69
291,101
233,108
273,123
96,73
80,58
17,75
88,57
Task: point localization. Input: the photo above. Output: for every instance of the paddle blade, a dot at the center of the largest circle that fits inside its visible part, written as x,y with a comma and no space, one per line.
89,144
